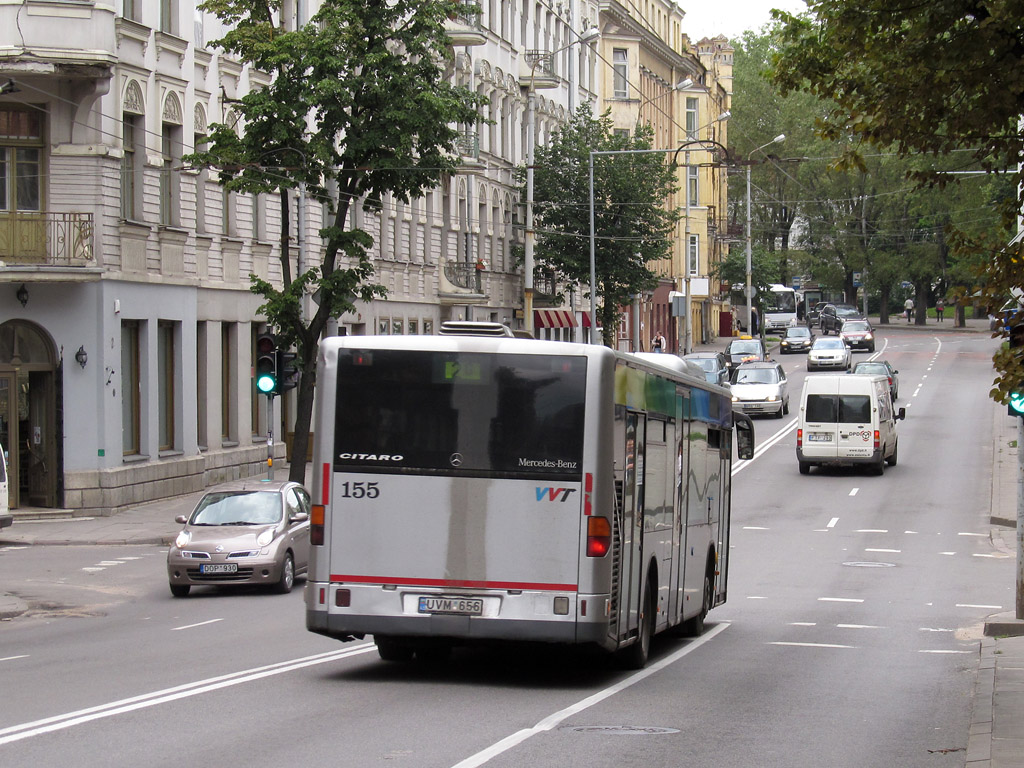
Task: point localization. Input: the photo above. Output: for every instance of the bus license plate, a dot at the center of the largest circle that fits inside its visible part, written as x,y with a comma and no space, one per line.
219,568
462,606
819,437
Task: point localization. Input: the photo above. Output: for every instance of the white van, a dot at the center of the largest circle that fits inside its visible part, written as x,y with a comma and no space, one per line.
846,419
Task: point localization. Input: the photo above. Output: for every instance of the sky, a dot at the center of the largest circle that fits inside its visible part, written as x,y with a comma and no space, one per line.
709,18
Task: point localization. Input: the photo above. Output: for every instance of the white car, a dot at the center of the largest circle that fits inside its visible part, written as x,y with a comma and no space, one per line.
829,353
760,388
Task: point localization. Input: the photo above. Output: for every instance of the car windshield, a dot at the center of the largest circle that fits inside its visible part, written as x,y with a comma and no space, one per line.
745,348
798,333
855,327
238,508
872,368
756,376
847,311
829,344
707,363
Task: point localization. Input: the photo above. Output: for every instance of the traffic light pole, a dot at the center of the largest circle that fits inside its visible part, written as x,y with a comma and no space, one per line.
270,436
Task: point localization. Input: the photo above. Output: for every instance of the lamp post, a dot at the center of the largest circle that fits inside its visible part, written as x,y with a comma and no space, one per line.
750,299
593,235
591,34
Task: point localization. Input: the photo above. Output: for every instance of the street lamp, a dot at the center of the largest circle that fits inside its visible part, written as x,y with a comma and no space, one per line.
591,34
750,299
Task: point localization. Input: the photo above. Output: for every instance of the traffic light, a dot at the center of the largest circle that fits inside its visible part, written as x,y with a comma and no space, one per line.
266,364
287,371
1015,406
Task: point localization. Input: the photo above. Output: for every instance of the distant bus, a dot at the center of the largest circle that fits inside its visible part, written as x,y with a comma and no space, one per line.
777,304
469,489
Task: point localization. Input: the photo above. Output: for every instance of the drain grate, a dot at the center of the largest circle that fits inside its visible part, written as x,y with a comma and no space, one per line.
621,730
869,564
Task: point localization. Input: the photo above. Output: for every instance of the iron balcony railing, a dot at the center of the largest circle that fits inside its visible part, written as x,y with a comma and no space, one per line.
542,63
47,238
464,274
469,144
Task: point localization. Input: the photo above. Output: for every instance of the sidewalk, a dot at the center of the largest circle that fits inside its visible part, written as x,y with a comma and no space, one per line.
996,736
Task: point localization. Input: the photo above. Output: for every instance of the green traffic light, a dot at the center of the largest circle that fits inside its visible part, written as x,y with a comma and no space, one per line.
265,383
1017,403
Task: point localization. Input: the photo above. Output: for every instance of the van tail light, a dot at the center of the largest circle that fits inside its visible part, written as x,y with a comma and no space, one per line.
799,438
599,536
876,439
316,525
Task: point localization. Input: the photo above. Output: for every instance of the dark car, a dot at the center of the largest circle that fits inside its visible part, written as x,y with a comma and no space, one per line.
714,364
881,368
246,532
832,317
745,349
813,311
857,334
798,338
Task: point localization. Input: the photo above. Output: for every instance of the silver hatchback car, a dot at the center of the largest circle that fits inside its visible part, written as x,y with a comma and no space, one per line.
247,532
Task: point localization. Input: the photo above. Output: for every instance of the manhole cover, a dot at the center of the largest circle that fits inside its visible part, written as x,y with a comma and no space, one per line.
622,730
870,565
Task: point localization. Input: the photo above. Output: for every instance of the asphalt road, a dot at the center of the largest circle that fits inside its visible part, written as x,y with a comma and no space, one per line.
849,638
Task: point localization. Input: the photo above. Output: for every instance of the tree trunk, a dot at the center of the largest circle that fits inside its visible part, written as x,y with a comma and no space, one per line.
883,306
303,418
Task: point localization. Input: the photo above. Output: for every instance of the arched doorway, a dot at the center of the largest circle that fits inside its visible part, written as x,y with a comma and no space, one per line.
28,425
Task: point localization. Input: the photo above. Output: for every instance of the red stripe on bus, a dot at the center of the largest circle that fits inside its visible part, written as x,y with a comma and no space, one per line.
325,486
465,584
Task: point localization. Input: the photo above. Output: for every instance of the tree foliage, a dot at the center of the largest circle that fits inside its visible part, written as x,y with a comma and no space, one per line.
632,224
360,106
935,78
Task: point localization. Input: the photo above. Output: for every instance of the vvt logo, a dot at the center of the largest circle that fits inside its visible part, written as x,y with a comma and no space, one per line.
553,494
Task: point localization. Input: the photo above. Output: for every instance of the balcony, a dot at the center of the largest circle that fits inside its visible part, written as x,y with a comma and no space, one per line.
47,239
538,70
469,144
545,288
464,28
462,283
67,39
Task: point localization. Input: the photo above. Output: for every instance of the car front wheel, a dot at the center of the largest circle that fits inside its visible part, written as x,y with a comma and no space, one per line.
287,581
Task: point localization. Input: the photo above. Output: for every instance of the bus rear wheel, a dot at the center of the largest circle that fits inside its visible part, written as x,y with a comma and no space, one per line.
635,656
694,627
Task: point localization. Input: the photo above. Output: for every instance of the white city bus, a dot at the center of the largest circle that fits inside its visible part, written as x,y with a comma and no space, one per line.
778,304
470,489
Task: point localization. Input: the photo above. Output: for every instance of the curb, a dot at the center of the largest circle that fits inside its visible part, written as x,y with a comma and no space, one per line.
979,736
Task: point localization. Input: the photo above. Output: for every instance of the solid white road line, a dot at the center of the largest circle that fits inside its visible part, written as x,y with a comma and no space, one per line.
200,624
69,719
552,720
814,645
12,658
840,600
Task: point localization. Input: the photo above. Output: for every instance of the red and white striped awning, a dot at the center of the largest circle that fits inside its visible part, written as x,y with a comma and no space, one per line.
554,318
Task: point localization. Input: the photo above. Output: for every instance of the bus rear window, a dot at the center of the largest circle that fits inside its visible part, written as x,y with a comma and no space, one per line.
459,412
842,409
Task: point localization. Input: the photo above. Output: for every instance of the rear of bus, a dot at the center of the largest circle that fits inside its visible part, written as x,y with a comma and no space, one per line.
448,491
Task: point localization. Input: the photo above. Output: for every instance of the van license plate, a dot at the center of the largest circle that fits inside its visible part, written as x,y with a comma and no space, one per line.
819,437
462,606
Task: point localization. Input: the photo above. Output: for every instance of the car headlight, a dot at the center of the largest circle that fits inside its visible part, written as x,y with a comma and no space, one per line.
867,336
182,540
772,398
266,537
735,399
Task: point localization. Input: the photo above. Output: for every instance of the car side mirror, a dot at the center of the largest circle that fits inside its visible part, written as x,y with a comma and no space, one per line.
299,517
181,519
901,413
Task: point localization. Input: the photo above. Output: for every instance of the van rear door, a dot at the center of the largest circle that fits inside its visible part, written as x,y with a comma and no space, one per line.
821,427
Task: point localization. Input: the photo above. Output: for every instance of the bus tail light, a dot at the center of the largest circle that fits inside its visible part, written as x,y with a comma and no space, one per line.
316,525
799,438
876,439
599,536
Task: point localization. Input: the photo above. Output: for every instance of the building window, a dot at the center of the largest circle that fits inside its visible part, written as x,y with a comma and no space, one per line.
692,116
227,213
620,77
131,9
227,381
169,16
692,184
21,160
693,257
131,389
202,399
202,179
165,374
170,176
131,166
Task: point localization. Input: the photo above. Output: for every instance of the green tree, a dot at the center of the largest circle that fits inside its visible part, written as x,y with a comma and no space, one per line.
937,78
632,224
360,105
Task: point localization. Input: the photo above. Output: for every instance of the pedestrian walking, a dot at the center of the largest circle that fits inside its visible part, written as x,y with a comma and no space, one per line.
908,307
940,308
659,342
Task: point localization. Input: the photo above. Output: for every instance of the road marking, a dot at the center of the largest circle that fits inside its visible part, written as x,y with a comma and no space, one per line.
832,522
552,720
92,569
858,626
756,597
971,605
840,600
947,553
814,645
60,722
934,629
872,530
916,391
997,555
12,658
871,549
110,562
755,528
744,463
803,623
854,491
200,624
972,534
944,651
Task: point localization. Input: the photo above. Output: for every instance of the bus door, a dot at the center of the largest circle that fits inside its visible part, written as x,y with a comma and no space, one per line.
682,465
632,523
723,510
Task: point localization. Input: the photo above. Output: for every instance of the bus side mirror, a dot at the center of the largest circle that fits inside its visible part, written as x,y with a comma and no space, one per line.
901,413
744,435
